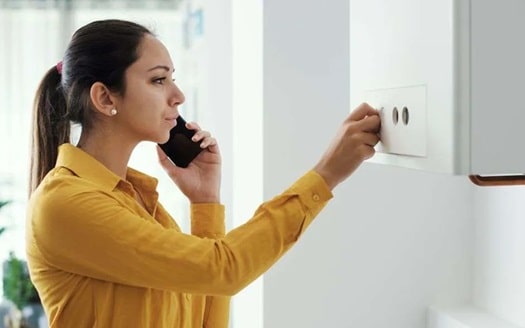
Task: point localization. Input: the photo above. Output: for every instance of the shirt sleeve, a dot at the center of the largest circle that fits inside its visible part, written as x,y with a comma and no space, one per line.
207,221
89,233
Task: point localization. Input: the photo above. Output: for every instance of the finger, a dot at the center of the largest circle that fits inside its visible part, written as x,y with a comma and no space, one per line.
200,135
161,154
362,111
370,139
207,142
370,123
165,162
193,126
213,147
368,152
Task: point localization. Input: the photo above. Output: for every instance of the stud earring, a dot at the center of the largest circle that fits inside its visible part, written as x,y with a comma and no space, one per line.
113,112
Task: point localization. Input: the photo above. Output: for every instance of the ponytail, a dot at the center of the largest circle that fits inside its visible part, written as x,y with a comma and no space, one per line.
51,126
100,51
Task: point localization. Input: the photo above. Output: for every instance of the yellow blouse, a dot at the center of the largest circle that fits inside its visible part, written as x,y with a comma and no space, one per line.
99,259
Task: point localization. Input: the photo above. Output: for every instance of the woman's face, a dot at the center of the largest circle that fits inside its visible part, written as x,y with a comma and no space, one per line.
149,107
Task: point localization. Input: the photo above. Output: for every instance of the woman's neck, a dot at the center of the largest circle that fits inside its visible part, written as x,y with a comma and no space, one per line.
112,152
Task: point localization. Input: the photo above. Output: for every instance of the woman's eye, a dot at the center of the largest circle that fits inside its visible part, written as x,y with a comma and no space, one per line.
159,80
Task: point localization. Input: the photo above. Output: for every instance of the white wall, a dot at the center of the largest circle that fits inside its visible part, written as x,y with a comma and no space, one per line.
247,150
393,241
499,284
498,275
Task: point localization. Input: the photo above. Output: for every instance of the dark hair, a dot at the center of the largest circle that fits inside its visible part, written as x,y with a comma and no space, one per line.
100,51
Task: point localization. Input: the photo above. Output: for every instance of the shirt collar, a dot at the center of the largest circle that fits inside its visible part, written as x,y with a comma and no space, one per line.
87,167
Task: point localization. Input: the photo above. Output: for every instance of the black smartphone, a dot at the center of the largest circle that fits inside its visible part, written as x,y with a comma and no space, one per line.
180,149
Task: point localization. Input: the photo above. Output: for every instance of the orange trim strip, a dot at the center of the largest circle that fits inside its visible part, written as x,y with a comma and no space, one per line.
504,180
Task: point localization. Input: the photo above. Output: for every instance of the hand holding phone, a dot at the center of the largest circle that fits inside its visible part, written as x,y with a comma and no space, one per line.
179,148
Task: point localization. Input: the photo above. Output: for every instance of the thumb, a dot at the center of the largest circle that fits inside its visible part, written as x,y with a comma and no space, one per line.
166,163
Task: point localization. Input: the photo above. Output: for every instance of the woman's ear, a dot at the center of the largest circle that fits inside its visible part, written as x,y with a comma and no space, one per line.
103,100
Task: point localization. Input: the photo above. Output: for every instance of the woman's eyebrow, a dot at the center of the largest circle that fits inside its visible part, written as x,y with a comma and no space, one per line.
162,67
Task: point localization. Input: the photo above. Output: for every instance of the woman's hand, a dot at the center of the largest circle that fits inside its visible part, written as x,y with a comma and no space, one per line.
201,180
353,144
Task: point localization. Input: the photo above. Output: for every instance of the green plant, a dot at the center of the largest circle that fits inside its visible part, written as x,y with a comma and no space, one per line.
17,285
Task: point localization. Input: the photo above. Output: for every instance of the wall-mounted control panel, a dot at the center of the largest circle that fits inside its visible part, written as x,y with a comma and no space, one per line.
447,77
403,119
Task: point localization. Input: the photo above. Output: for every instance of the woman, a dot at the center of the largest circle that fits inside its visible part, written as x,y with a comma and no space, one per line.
102,251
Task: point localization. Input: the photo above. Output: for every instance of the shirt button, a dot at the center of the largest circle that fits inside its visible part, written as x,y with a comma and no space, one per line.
316,197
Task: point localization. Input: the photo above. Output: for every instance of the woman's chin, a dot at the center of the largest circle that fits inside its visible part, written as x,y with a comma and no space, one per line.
163,139
159,139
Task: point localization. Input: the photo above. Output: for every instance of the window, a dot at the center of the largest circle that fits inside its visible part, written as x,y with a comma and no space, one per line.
33,37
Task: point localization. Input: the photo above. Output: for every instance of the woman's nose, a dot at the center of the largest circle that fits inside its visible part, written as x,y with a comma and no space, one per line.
177,97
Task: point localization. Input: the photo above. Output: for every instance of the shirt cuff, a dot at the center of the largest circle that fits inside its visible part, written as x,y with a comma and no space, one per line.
312,189
207,220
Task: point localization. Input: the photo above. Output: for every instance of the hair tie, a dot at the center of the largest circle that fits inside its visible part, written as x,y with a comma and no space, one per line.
59,67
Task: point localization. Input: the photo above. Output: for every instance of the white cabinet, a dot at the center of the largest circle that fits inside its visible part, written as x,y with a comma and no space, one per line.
449,76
